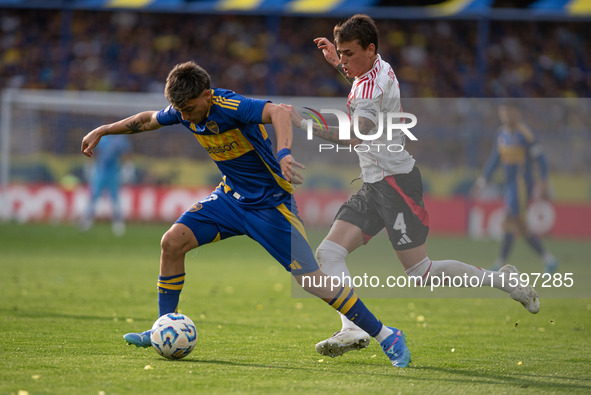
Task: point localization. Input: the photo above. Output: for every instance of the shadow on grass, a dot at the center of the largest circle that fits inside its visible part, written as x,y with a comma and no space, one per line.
50,314
347,368
458,376
520,380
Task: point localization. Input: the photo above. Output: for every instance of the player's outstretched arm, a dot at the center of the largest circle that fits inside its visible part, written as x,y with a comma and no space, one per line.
141,122
332,133
330,54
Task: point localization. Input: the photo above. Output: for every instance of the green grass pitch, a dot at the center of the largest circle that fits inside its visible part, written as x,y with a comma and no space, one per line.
67,298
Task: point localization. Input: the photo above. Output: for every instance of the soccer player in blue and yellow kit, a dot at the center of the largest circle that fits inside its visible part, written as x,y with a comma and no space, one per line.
254,197
516,149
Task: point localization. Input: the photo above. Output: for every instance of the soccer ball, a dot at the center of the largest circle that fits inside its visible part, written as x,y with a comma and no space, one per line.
174,336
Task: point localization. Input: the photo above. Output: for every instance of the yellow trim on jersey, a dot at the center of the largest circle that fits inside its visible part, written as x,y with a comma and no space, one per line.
129,3
217,238
225,146
225,106
209,108
263,131
281,181
295,265
230,104
313,5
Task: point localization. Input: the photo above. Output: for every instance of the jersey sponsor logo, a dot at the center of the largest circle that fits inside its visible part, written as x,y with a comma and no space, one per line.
511,154
222,148
225,146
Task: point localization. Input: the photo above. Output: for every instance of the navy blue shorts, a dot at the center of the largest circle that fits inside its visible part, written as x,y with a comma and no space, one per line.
279,229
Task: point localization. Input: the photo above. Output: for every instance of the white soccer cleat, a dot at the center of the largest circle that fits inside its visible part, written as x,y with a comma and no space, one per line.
342,342
526,295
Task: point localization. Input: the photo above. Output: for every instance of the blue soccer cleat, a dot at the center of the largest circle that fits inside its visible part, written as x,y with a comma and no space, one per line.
395,348
139,339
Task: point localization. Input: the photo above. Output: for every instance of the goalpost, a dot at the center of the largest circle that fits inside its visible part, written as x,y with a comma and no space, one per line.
24,112
40,135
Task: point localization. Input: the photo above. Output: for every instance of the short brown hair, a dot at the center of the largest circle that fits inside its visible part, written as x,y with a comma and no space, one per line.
185,81
359,27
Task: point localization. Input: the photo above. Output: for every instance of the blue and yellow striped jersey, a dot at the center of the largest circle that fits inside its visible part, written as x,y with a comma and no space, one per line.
233,135
515,151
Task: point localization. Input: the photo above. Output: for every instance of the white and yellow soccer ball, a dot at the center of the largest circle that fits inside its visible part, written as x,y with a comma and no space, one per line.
174,336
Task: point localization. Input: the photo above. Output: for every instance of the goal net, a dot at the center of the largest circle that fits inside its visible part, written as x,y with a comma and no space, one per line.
42,171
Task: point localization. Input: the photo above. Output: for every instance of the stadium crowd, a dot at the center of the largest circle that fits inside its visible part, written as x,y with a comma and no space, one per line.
266,55
270,55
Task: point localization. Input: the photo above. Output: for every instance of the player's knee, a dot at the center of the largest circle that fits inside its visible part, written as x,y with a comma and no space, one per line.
321,254
329,251
174,243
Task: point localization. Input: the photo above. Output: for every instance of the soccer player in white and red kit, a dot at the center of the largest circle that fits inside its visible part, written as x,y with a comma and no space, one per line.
392,193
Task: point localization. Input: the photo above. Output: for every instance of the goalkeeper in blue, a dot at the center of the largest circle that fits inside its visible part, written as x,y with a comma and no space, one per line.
255,197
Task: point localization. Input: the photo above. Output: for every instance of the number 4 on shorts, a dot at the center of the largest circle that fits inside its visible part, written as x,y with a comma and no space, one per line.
399,223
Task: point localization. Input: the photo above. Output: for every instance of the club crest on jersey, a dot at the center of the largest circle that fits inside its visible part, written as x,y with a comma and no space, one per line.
196,207
212,126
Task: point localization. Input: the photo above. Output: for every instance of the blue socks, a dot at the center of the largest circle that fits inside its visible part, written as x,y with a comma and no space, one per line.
348,303
169,292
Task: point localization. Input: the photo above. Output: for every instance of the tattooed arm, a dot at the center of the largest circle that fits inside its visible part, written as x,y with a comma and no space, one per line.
138,123
332,133
330,54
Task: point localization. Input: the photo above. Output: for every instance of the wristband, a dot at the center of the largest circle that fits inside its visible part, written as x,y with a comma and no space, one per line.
283,152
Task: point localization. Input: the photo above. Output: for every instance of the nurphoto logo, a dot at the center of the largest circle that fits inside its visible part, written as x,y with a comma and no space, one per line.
395,121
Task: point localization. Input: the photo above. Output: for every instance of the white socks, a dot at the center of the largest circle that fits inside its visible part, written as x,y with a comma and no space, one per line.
331,258
384,333
449,268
